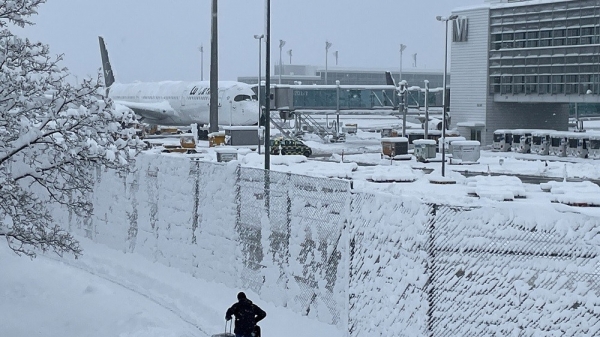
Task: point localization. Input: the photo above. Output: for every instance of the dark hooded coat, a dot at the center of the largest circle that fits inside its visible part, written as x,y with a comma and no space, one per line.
247,314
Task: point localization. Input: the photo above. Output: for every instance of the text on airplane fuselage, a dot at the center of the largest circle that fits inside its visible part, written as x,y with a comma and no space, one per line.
199,91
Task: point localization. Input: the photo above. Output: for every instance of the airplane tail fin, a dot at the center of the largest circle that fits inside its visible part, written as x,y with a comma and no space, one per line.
109,77
389,79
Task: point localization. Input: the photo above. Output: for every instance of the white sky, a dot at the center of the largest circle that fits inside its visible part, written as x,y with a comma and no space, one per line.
151,40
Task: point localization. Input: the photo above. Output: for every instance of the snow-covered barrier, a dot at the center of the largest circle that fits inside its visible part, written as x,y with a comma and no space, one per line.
434,270
388,273
374,264
210,220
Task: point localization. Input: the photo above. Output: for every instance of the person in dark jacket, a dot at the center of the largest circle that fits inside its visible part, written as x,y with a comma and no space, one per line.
247,314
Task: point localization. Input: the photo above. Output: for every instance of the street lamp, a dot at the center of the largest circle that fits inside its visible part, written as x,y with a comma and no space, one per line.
402,48
327,46
290,54
267,97
336,55
281,44
426,126
444,104
201,49
259,38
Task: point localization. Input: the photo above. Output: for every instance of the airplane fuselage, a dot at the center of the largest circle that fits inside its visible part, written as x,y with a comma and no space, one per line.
180,103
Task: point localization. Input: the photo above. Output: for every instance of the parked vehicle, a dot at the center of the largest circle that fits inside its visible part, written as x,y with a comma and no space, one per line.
502,140
289,147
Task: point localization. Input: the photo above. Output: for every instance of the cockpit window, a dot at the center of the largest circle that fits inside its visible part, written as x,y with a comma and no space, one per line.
254,98
240,98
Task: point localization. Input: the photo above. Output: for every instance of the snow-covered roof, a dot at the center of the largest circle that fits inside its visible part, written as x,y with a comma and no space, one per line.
471,124
465,143
394,140
238,128
424,142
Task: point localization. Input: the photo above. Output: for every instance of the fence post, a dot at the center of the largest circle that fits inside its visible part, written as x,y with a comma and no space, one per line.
195,216
349,242
268,192
430,267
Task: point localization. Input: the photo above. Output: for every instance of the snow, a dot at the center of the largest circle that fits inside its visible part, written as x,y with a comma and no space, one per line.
110,293
172,242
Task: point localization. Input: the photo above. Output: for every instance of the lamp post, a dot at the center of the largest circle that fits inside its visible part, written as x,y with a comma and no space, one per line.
327,46
214,72
281,44
426,126
201,48
444,104
290,54
402,48
259,38
267,90
336,55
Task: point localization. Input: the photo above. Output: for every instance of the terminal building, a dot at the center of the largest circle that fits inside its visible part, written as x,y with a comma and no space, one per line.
521,64
309,75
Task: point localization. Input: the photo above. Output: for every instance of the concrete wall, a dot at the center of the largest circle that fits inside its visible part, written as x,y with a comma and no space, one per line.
553,116
469,67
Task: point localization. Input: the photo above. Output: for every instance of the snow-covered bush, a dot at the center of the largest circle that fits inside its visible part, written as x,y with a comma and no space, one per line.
51,135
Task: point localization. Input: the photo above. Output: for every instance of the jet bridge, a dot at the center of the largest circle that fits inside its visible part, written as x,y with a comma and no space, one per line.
299,102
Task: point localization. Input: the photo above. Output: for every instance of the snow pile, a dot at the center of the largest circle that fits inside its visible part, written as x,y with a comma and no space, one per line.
500,188
386,174
583,193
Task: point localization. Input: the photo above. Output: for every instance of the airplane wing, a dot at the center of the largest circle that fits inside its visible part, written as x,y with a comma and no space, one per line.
154,111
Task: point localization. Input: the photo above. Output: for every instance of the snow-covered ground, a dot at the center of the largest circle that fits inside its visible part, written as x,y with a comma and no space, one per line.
109,293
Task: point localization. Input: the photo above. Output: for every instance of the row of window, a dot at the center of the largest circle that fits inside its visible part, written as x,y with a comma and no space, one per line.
546,52
544,42
546,11
542,89
545,34
574,60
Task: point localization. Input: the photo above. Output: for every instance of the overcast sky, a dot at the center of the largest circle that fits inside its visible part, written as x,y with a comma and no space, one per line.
153,40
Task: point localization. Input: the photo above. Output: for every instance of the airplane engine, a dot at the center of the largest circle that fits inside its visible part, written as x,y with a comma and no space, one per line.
435,124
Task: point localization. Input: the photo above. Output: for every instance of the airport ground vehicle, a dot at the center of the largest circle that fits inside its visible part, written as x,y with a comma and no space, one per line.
187,145
159,130
289,146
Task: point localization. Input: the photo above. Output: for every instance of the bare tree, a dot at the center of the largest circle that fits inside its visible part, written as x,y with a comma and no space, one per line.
52,135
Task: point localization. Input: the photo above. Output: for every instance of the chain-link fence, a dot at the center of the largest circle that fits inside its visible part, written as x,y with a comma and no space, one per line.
290,229
371,263
435,270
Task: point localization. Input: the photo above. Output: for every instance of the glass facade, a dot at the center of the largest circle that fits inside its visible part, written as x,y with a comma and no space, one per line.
349,99
309,75
545,49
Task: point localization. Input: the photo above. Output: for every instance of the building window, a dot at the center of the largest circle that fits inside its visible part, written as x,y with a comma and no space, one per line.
476,135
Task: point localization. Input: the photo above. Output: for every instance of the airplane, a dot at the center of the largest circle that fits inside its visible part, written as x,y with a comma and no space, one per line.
179,103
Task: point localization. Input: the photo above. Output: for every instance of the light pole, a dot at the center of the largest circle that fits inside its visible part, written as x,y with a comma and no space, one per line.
336,55
327,46
426,126
402,48
267,92
281,44
444,104
290,53
259,38
201,48
214,72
